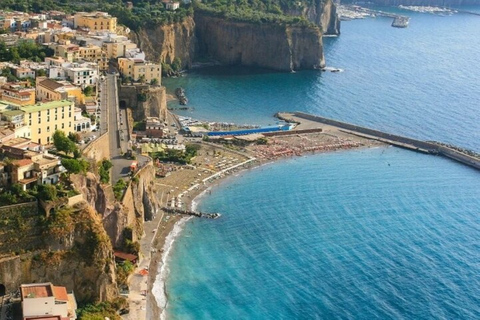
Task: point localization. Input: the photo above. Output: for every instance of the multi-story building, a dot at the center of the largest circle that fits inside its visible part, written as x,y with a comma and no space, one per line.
138,69
19,93
82,124
44,118
22,73
95,21
51,90
40,299
84,74
90,53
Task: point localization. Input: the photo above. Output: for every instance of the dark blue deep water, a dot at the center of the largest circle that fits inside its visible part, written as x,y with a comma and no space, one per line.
378,233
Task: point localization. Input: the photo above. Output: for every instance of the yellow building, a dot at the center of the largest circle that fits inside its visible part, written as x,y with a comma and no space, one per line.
95,21
44,118
90,53
51,90
18,93
116,48
137,68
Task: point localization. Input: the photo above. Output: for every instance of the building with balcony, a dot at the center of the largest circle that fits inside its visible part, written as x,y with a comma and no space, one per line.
139,69
19,93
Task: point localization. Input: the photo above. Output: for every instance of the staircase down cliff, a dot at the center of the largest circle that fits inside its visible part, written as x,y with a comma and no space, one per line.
273,46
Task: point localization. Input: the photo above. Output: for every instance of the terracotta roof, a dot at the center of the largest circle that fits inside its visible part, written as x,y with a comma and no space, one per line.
50,84
124,256
22,162
60,293
42,290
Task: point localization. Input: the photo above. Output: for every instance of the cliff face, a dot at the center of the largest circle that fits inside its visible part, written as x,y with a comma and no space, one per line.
323,13
164,43
441,3
284,48
154,104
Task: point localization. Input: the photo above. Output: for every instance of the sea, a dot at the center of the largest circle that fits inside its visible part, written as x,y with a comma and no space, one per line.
374,233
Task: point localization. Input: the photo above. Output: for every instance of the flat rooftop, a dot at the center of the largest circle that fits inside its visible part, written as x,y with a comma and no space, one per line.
37,290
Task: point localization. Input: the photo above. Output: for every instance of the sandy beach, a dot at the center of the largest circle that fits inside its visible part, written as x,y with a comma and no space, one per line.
184,184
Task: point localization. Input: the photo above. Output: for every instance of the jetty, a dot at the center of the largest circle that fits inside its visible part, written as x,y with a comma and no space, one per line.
466,157
173,210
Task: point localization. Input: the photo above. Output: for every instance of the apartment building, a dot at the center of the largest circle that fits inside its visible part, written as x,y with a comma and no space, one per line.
19,93
137,68
95,21
44,118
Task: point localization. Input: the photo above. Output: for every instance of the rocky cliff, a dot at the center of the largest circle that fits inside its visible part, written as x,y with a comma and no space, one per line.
165,43
441,3
321,12
273,46
144,101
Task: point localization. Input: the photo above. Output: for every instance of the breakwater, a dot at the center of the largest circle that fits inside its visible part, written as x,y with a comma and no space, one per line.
171,210
396,140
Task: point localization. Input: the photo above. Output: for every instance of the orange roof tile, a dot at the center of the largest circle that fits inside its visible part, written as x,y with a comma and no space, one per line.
22,162
42,290
60,293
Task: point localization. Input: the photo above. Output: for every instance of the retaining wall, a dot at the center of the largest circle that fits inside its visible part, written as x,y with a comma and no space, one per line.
98,149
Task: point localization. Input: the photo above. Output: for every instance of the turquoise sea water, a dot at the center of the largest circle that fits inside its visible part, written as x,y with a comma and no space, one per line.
421,81
366,234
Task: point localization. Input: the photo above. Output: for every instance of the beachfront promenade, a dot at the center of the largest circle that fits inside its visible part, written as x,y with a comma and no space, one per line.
305,119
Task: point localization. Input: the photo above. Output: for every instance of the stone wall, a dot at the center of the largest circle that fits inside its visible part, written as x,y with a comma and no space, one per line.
98,149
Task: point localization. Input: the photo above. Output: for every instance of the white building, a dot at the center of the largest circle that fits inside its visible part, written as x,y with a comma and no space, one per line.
84,74
41,299
82,124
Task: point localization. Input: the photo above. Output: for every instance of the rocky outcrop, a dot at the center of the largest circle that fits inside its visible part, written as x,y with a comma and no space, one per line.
273,46
321,12
144,100
167,42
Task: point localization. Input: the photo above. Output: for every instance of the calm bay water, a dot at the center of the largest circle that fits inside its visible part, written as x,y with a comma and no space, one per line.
421,81
375,233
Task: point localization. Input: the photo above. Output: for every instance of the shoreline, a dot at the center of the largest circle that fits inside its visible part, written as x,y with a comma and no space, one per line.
162,232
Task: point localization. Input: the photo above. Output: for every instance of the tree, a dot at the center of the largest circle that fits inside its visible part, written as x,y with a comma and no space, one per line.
88,91
75,166
142,79
154,82
177,64
75,137
40,73
63,143
47,192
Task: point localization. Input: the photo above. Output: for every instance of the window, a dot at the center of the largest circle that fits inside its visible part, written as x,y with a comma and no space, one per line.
70,124
69,114
39,130
39,114
56,127
63,125
55,117
48,118
30,122
48,129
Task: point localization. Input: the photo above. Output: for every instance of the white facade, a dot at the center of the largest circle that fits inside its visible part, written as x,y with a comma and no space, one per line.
82,76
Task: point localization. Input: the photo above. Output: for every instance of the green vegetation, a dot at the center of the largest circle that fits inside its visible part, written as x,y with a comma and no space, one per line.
75,166
102,310
104,170
119,188
88,91
124,269
15,195
257,11
63,143
46,192
60,223
140,126
182,157
171,69
25,49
